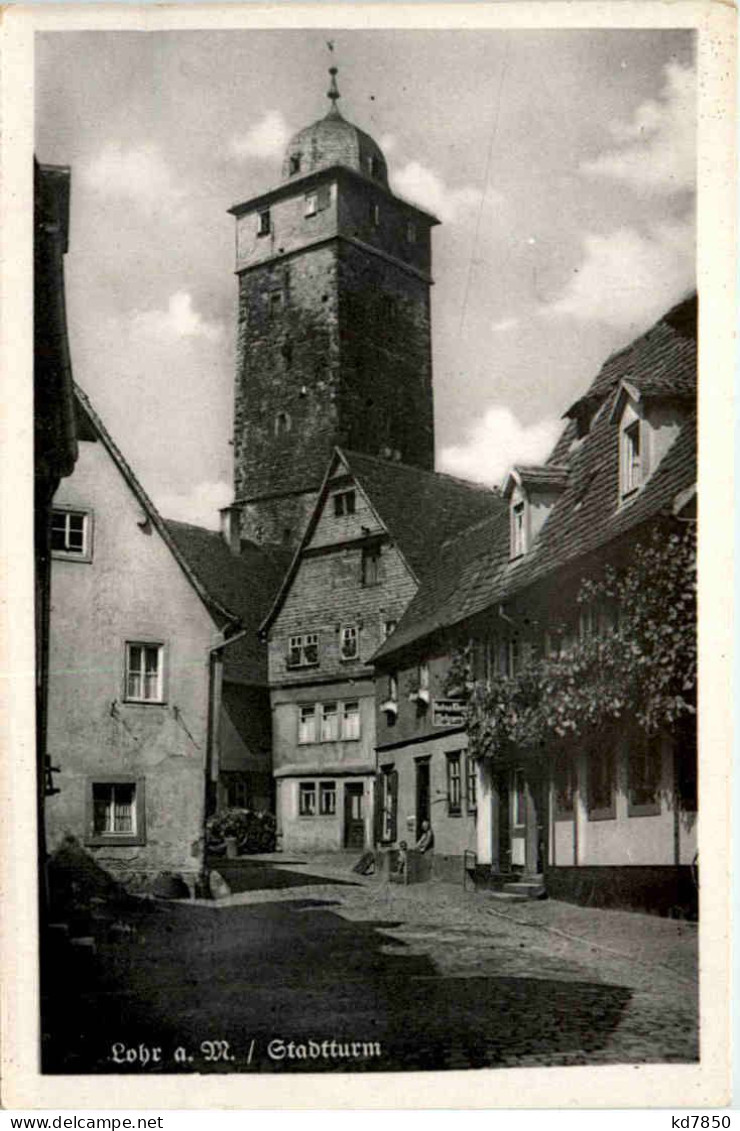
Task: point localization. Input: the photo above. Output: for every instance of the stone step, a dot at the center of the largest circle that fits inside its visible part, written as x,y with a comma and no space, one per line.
508,896
526,889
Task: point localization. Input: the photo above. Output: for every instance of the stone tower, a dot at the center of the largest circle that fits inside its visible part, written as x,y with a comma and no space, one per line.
334,334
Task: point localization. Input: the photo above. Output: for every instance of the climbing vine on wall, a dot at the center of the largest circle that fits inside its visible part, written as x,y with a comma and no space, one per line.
641,667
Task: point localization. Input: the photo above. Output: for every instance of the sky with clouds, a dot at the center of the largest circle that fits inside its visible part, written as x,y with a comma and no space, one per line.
561,164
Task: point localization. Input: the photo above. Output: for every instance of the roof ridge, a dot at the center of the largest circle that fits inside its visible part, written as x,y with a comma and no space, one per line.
433,474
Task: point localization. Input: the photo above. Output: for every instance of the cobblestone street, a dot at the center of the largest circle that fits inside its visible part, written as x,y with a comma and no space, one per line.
430,975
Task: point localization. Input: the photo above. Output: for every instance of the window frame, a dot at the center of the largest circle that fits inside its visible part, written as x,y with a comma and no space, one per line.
453,759
649,750
329,720
307,789
120,840
605,755
305,640
328,789
632,473
345,503
310,714
471,779
349,632
163,670
69,510
345,714
370,577
518,530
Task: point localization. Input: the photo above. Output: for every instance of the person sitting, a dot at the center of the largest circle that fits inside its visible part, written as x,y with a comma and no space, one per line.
426,838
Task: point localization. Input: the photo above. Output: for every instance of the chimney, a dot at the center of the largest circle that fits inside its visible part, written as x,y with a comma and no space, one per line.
230,527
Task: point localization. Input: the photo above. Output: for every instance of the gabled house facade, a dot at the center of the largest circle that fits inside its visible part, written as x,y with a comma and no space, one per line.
601,814
375,526
139,630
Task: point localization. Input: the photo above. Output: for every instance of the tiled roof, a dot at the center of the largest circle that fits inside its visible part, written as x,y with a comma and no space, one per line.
473,570
245,584
421,509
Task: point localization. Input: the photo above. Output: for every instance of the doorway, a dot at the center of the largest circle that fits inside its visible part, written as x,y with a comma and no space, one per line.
354,815
423,798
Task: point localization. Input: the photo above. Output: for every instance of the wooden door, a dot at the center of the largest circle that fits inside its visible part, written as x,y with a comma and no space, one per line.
354,815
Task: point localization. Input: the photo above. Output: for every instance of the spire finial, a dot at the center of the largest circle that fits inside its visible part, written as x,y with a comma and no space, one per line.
333,91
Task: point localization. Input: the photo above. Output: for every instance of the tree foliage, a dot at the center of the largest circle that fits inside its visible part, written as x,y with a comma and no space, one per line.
641,667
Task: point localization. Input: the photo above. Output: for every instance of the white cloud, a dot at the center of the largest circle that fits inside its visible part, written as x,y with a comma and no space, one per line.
139,175
427,189
199,506
628,279
179,320
504,324
266,139
496,441
656,151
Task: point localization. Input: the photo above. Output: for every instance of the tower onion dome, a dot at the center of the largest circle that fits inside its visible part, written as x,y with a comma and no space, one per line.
334,141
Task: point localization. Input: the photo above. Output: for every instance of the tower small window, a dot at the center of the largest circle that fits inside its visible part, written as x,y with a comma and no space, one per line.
411,232
274,303
264,226
373,167
295,164
344,503
312,204
282,423
375,215
631,458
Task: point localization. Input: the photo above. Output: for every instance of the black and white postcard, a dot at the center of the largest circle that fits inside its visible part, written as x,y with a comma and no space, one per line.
368,554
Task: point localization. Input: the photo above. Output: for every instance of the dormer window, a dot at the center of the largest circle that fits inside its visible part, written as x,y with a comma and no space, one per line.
295,164
518,529
631,458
